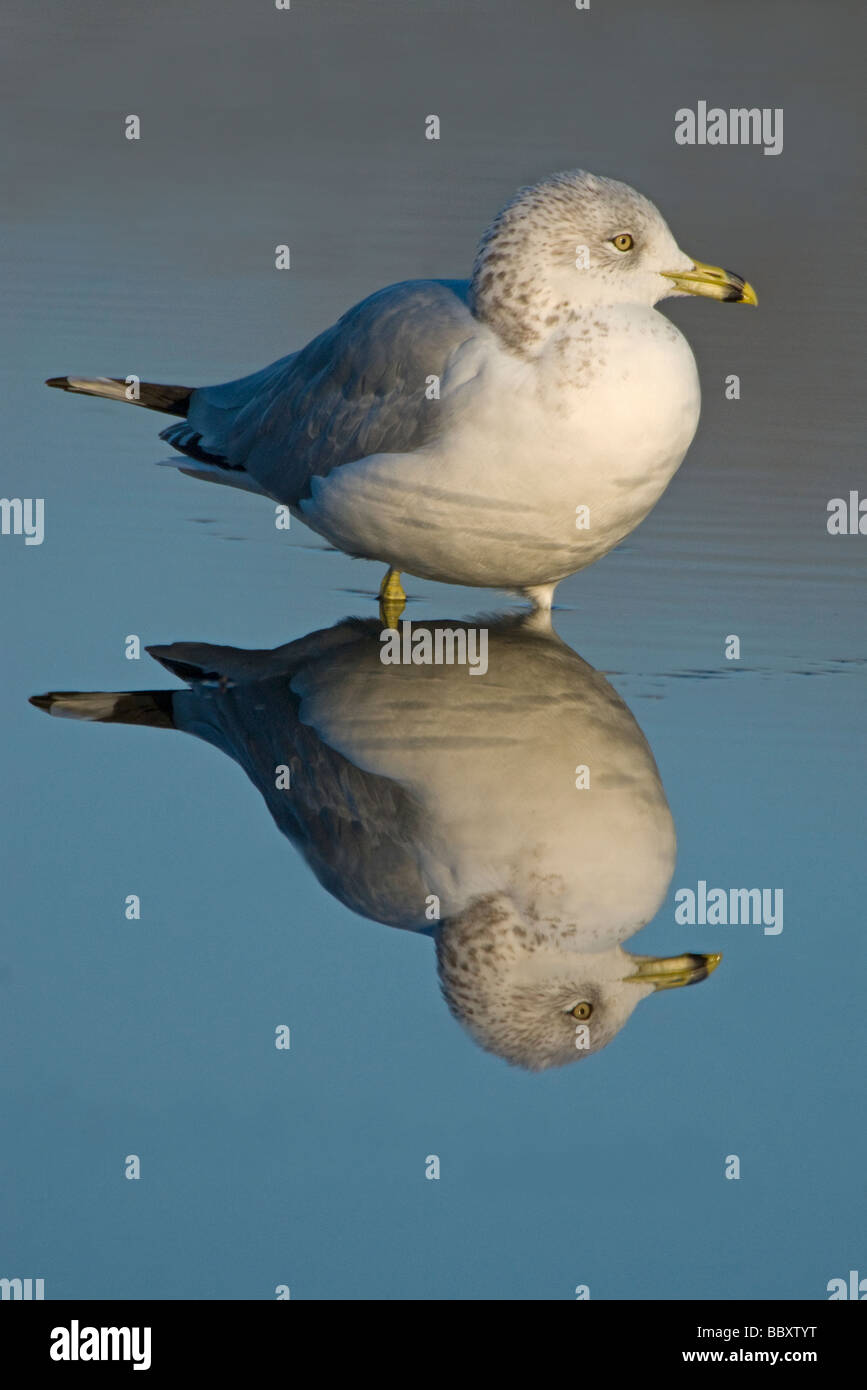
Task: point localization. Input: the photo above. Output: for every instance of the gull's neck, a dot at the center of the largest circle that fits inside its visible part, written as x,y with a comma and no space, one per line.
508,294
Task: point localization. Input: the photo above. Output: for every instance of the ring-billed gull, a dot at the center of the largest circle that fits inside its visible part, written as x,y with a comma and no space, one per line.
436,803
504,431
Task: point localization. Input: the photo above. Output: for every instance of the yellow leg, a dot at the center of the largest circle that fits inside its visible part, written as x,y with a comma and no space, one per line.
391,598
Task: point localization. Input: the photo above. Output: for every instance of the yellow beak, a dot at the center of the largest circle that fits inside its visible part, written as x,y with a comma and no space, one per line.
713,282
670,972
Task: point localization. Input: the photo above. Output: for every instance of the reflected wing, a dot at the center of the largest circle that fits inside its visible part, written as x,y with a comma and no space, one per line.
358,831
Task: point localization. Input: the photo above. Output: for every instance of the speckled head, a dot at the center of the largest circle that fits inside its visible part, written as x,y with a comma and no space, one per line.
570,243
524,991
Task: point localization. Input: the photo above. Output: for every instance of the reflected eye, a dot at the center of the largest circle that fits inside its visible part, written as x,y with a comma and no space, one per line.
624,242
582,1011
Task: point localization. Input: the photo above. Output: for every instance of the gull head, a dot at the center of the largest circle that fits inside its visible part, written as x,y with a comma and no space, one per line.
576,241
525,992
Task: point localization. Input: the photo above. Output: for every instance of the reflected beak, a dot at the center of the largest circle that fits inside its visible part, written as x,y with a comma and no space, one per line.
670,972
713,283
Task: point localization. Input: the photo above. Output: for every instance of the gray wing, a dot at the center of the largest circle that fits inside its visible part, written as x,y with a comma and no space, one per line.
357,831
357,389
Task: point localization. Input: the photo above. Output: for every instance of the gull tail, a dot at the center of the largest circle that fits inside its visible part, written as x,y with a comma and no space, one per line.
171,400
150,707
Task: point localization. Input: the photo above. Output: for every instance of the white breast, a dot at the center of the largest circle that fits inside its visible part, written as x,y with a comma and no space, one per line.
600,420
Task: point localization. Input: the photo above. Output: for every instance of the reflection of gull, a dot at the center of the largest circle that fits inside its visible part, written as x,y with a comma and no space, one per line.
413,781
502,432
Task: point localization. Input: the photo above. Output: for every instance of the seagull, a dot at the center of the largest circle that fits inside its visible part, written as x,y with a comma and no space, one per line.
503,431
449,807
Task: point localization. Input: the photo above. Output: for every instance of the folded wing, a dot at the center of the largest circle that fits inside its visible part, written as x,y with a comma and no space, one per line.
359,388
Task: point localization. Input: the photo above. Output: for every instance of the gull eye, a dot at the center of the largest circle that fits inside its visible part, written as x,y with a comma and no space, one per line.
623,242
582,1011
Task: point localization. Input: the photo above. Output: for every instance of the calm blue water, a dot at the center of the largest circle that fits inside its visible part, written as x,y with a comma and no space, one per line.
155,1037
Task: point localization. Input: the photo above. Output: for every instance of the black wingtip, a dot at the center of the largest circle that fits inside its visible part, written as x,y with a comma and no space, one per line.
62,382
